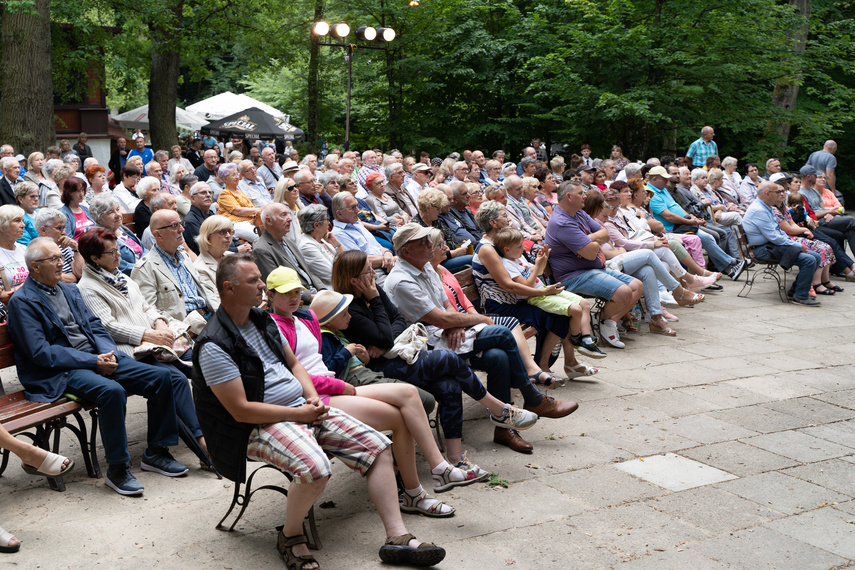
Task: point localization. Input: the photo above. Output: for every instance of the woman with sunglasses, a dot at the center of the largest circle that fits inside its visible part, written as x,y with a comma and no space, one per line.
214,239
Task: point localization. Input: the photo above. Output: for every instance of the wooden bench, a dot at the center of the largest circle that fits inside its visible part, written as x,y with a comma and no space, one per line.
128,221
41,422
467,284
769,269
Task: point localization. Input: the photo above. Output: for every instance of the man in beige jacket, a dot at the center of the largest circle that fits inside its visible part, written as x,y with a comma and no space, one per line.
167,278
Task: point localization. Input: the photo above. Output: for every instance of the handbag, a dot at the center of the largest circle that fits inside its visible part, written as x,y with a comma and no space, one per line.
468,344
409,344
173,353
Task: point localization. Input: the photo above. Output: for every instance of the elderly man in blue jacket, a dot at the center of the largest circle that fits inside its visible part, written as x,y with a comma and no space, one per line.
61,347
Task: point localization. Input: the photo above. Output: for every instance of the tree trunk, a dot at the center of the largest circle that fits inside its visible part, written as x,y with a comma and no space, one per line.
26,85
787,89
312,88
163,80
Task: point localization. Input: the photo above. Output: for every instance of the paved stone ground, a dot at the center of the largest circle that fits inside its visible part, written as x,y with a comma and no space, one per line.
760,391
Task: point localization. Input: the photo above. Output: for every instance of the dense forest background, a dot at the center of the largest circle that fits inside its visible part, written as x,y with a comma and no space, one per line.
775,78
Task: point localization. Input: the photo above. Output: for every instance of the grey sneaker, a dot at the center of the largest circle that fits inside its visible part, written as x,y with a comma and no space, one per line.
162,462
120,479
514,418
807,302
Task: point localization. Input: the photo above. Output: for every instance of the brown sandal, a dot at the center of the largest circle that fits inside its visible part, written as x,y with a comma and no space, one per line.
285,544
397,550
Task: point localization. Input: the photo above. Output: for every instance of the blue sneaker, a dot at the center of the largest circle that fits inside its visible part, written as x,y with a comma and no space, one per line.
120,479
162,462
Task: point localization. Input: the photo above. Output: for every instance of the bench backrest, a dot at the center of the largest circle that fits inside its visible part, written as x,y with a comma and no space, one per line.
128,221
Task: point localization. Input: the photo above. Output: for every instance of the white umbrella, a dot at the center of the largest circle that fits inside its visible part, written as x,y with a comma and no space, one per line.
228,103
139,119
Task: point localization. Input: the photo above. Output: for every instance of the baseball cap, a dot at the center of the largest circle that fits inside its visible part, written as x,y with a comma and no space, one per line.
20,157
808,170
283,279
659,171
407,233
419,167
583,167
327,304
780,176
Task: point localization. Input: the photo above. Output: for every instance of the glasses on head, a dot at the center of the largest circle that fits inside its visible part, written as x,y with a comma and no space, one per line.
112,252
173,227
54,259
225,232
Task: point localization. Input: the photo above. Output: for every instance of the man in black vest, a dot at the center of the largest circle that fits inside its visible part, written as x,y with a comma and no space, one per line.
254,399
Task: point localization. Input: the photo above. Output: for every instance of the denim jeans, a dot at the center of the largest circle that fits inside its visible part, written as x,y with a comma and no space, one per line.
111,394
719,258
807,262
645,266
505,368
445,375
456,263
184,406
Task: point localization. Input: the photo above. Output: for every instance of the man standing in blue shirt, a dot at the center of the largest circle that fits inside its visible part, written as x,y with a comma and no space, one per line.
772,244
142,151
702,148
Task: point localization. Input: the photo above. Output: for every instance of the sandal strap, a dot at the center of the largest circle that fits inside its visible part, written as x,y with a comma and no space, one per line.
289,541
401,539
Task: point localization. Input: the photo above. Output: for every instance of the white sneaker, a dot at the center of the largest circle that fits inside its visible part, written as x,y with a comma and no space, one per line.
610,335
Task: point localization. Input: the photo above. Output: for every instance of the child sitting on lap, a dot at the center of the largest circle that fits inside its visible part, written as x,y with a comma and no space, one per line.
509,245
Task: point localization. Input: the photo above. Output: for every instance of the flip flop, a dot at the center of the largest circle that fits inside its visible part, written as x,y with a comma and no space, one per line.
50,467
5,537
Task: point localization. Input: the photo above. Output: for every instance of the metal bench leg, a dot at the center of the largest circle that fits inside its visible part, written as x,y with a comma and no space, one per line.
4,462
87,447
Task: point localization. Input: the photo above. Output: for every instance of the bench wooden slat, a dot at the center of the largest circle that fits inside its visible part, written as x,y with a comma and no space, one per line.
41,417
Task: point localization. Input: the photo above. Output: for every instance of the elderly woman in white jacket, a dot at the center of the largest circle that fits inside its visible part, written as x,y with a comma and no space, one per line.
317,243
116,299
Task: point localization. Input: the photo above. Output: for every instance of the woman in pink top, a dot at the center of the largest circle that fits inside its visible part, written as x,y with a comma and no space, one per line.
77,217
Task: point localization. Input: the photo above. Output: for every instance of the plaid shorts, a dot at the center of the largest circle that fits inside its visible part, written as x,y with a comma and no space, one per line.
300,449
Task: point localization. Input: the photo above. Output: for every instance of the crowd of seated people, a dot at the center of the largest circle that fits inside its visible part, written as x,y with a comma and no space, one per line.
283,292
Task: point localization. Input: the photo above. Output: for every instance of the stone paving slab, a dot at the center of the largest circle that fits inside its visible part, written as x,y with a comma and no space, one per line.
674,472
673,402
713,510
760,418
797,445
704,429
739,458
826,528
742,550
781,492
603,486
833,474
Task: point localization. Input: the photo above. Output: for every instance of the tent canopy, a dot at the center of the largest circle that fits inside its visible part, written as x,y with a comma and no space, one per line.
139,119
228,103
253,124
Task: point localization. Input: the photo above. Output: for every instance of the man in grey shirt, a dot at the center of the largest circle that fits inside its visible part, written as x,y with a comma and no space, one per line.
825,162
416,289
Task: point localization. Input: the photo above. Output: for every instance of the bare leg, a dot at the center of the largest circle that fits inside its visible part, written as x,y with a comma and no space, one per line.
380,481
623,300
577,316
29,454
301,497
383,416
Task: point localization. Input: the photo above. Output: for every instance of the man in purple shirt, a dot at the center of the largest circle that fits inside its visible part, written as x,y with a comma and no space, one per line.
577,261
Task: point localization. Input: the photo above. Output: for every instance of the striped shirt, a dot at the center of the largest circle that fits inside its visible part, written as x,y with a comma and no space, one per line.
280,385
487,286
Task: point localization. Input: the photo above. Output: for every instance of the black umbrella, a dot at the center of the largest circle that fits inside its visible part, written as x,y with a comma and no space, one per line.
253,124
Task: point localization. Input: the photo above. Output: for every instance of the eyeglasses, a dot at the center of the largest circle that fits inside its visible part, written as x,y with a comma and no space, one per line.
112,252
291,187
225,232
55,259
173,227
478,193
